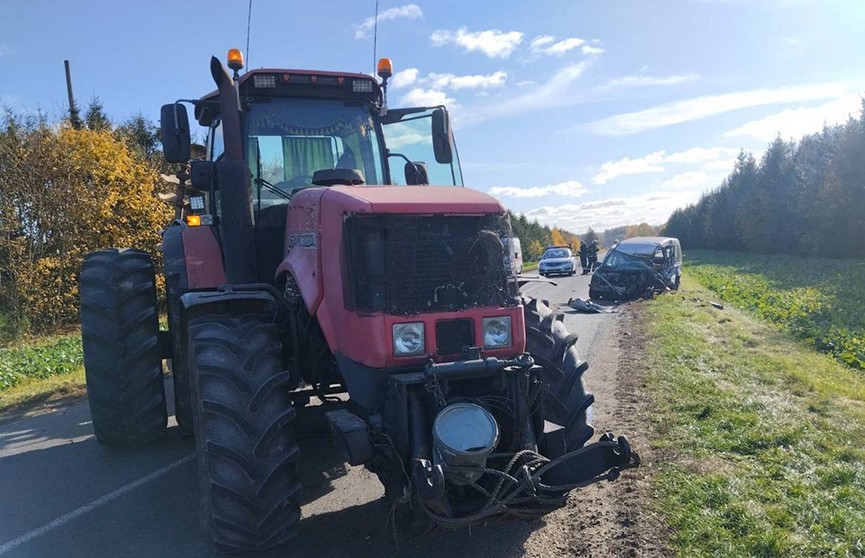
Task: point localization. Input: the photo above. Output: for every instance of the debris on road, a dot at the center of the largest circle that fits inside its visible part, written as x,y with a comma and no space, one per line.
587,306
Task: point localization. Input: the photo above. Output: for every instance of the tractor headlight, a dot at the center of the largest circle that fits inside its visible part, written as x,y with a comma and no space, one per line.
408,339
497,332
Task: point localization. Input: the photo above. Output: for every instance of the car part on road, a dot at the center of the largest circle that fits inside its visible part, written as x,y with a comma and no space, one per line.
120,337
326,274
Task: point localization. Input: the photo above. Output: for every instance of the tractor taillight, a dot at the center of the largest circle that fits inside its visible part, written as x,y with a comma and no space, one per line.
193,220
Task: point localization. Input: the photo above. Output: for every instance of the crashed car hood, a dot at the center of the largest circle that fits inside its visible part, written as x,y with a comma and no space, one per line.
556,261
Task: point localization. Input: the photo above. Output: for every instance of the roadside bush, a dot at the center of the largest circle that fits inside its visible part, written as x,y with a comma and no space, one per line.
64,193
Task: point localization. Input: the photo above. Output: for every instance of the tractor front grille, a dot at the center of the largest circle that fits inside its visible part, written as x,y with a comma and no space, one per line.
452,336
406,264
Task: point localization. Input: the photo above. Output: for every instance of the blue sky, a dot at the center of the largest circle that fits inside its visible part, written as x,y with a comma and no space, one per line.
579,113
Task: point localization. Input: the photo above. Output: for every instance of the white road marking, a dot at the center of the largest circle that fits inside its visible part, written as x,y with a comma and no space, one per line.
38,532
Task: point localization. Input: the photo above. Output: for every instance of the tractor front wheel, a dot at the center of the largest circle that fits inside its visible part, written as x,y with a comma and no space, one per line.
567,402
120,337
244,431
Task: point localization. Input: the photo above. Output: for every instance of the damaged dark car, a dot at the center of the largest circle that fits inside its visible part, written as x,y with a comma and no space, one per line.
637,267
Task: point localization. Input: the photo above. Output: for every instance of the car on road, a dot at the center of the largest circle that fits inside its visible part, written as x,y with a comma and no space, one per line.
557,260
635,265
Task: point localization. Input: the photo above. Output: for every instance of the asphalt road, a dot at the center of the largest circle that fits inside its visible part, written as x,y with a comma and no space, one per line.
62,494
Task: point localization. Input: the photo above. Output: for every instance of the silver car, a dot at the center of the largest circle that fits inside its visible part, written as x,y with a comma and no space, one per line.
557,260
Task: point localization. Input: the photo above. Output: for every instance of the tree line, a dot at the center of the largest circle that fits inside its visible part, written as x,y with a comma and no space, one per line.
534,237
65,192
802,198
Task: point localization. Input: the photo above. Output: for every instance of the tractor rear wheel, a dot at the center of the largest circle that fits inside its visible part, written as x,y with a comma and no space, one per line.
244,432
120,337
567,402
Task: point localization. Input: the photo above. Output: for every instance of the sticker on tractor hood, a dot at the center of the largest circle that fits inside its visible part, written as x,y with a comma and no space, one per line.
302,240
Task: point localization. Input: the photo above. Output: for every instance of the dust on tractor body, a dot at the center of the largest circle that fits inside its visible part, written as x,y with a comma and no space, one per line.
302,265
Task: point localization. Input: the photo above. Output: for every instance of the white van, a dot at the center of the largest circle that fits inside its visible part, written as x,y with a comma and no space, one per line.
515,253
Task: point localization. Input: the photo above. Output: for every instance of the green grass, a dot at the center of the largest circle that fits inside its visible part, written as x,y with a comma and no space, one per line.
40,359
761,440
44,390
821,301
530,266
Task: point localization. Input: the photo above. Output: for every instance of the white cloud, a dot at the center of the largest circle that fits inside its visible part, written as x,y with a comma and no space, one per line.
612,169
410,11
558,91
546,44
492,42
794,123
701,154
5,49
653,208
525,82
404,78
419,97
654,162
570,188
642,80
451,81
691,179
699,108
589,50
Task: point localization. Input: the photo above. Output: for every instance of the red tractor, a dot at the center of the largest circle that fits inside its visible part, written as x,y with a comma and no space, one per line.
299,266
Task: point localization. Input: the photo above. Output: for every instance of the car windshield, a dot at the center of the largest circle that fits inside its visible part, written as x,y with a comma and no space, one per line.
556,253
290,139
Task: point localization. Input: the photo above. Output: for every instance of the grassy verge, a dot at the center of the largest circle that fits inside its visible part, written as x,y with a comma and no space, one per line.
762,439
43,390
33,371
530,266
818,300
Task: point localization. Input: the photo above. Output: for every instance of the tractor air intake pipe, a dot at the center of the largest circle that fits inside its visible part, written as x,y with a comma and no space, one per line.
232,175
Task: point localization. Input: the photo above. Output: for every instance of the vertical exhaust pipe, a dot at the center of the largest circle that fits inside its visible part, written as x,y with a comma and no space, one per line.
232,175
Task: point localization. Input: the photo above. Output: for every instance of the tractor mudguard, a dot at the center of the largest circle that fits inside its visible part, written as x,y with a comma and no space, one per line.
227,299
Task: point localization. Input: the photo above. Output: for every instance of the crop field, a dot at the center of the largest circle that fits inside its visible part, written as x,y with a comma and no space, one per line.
820,301
759,439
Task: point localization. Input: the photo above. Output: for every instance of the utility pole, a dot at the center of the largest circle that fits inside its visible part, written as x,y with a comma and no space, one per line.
74,118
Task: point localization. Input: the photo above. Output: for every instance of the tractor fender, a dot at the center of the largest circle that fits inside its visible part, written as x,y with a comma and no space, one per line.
193,257
226,301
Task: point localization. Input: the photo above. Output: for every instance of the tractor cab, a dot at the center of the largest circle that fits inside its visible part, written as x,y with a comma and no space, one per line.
296,123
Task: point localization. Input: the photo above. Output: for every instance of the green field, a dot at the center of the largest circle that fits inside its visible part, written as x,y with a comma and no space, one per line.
760,441
820,301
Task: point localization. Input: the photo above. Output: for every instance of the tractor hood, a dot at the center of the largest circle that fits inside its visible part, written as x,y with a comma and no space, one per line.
411,199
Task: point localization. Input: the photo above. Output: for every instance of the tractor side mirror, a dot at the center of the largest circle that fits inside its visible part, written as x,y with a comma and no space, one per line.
416,174
441,136
176,142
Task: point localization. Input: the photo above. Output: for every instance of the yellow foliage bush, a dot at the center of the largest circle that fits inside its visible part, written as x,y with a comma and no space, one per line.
65,193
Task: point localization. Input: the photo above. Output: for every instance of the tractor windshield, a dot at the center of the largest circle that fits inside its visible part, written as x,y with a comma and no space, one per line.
290,139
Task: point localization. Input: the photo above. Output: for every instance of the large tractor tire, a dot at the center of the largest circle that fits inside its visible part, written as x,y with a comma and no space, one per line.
567,402
244,432
120,336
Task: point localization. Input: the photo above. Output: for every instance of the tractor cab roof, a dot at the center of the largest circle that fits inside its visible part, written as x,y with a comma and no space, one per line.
310,84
